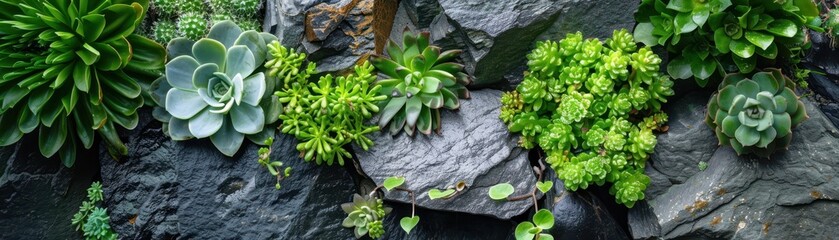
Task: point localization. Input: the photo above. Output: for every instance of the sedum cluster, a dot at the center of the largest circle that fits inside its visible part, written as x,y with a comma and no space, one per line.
592,106
216,88
71,70
422,80
714,37
365,215
326,114
755,115
94,221
193,18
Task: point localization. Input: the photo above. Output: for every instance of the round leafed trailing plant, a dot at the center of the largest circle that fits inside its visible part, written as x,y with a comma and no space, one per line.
755,115
216,88
592,106
71,69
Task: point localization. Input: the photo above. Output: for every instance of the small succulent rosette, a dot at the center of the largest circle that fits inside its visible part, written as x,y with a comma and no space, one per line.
365,215
216,88
757,114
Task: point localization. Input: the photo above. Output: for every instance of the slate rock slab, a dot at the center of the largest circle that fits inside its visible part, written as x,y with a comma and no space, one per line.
38,196
580,214
790,196
475,147
167,190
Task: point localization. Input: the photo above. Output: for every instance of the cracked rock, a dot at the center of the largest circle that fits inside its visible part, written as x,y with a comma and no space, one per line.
789,196
475,147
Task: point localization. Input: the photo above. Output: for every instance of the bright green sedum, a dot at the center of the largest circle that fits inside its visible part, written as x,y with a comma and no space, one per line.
327,114
592,106
757,114
724,36
215,88
422,80
71,69
365,215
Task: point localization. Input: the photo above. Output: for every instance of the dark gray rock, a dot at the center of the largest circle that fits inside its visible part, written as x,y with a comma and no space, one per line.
285,19
687,142
188,189
580,214
475,147
38,196
823,54
790,196
446,225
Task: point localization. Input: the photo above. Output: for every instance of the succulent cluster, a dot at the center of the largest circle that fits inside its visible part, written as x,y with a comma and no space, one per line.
831,23
192,18
422,80
94,221
216,88
365,215
325,114
71,71
592,106
755,115
720,36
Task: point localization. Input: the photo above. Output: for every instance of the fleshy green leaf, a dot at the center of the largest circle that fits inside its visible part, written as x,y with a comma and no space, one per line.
543,219
393,182
782,27
545,186
408,223
501,191
437,193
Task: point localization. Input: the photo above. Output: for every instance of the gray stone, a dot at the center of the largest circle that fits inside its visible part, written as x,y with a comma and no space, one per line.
789,196
285,19
168,189
446,225
38,196
579,214
475,147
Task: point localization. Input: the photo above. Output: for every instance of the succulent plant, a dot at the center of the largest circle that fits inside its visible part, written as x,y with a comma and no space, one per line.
422,81
215,88
245,7
165,31
757,114
365,215
70,73
165,7
592,106
190,6
192,25
219,16
723,35
250,24
221,5
328,114
93,221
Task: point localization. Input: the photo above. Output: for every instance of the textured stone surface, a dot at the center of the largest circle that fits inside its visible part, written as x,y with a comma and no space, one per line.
169,189
475,147
285,19
39,196
580,214
446,225
790,196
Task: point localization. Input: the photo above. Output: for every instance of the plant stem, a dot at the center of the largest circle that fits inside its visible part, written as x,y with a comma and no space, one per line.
540,170
411,193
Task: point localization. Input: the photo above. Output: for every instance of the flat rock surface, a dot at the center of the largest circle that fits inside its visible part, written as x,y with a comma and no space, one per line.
789,196
475,147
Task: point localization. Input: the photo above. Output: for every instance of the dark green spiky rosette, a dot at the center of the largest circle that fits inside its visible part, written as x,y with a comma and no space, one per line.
755,115
71,69
423,80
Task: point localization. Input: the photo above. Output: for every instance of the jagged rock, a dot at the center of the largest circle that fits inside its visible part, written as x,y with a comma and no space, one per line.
285,19
38,196
475,147
790,196
579,214
446,225
168,189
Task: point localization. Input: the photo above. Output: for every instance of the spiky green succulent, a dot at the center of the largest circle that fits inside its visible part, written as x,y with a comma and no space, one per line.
327,114
190,6
71,70
165,31
215,88
250,24
221,5
219,16
365,215
422,80
757,114
165,7
192,25
713,37
592,107
245,7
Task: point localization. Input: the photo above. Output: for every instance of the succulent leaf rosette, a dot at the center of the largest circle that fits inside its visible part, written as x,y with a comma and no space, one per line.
592,106
720,36
365,216
71,69
422,81
755,115
215,88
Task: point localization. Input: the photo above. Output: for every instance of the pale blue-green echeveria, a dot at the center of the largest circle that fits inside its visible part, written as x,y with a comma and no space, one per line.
216,88
755,115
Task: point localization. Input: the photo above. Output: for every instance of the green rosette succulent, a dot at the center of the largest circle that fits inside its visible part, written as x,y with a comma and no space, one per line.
713,37
592,106
71,69
165,31
216,88
165,7
422,81
365,215
755,115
